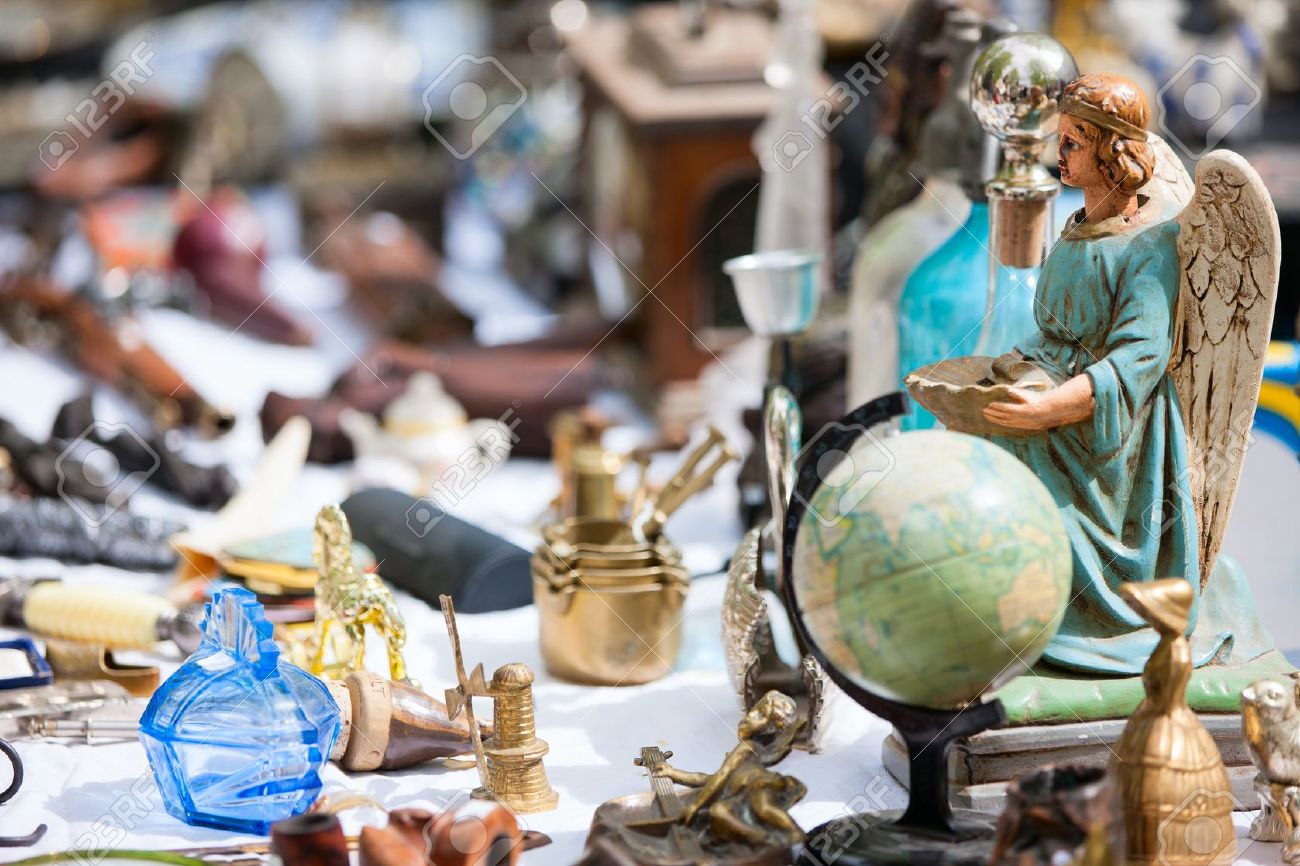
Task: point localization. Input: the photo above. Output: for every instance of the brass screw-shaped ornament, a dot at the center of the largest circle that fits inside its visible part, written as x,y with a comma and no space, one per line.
516,774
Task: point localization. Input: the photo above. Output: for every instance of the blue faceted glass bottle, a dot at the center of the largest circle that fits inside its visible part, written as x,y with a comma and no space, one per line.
943,304
237,736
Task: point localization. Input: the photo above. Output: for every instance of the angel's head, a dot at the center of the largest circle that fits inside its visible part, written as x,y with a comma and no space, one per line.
1103,139
770,726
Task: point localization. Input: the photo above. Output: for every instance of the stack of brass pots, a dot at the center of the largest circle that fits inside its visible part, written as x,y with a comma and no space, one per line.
610,592
608,609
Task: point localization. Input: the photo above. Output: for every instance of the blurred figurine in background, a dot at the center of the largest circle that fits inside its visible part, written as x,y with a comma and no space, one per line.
913,89
353,600
424,433
1270,725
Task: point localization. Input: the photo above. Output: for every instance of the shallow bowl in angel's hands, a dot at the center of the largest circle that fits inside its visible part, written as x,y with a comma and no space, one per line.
957,390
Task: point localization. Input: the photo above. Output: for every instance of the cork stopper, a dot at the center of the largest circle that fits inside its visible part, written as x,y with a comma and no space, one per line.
1020,225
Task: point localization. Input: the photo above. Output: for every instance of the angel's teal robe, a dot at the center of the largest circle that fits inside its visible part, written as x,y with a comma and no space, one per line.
1105,309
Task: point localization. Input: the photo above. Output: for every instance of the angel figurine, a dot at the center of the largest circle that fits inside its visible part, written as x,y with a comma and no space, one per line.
1154,314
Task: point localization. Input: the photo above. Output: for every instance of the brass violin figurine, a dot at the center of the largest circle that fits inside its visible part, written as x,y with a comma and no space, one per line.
351,599
738,814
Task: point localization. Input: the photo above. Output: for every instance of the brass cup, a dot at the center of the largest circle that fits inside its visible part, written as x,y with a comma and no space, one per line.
608,614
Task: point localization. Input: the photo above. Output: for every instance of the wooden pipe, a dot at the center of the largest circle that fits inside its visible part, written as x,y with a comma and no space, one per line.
392,726
314,839
415,837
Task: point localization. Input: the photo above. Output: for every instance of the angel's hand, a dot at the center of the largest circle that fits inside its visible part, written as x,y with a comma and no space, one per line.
1026,410
1068,403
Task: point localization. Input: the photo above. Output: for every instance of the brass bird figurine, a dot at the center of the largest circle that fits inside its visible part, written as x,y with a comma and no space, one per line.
1270,725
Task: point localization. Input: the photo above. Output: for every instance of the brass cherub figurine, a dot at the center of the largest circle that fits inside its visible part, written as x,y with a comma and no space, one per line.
351,599
744,801
1270,725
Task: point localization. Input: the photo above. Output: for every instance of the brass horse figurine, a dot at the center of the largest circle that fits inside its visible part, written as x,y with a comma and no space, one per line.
355,600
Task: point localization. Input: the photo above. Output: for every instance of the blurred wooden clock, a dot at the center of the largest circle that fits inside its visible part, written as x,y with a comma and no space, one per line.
671,178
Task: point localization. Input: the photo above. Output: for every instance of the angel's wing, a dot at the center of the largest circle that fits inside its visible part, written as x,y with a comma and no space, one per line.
1169,179
745,627
1230,248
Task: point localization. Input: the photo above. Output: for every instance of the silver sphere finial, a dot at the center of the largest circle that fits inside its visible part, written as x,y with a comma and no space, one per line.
1016,86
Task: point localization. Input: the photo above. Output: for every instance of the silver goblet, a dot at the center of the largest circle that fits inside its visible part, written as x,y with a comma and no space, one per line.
778,293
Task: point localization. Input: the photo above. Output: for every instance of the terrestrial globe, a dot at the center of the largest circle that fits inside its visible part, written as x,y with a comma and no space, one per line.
931,567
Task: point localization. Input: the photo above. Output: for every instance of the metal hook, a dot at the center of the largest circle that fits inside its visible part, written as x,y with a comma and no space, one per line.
8,794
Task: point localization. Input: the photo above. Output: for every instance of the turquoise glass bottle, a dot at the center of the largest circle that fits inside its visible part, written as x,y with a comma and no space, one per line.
1009,316
943,304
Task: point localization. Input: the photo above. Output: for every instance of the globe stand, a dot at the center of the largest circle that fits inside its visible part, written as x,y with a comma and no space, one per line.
929,831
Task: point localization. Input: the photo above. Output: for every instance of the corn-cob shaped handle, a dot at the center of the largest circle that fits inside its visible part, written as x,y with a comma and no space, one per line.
110,618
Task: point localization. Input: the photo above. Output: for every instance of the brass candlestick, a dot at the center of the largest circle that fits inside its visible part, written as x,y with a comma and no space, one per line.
510,763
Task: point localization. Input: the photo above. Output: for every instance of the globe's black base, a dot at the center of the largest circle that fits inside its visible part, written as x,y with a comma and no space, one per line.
875,839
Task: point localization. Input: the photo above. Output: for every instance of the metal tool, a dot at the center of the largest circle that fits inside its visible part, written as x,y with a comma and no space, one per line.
8,794
90,729
20,707
70,660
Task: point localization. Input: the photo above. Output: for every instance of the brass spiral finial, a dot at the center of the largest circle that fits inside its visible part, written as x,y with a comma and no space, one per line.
516,774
